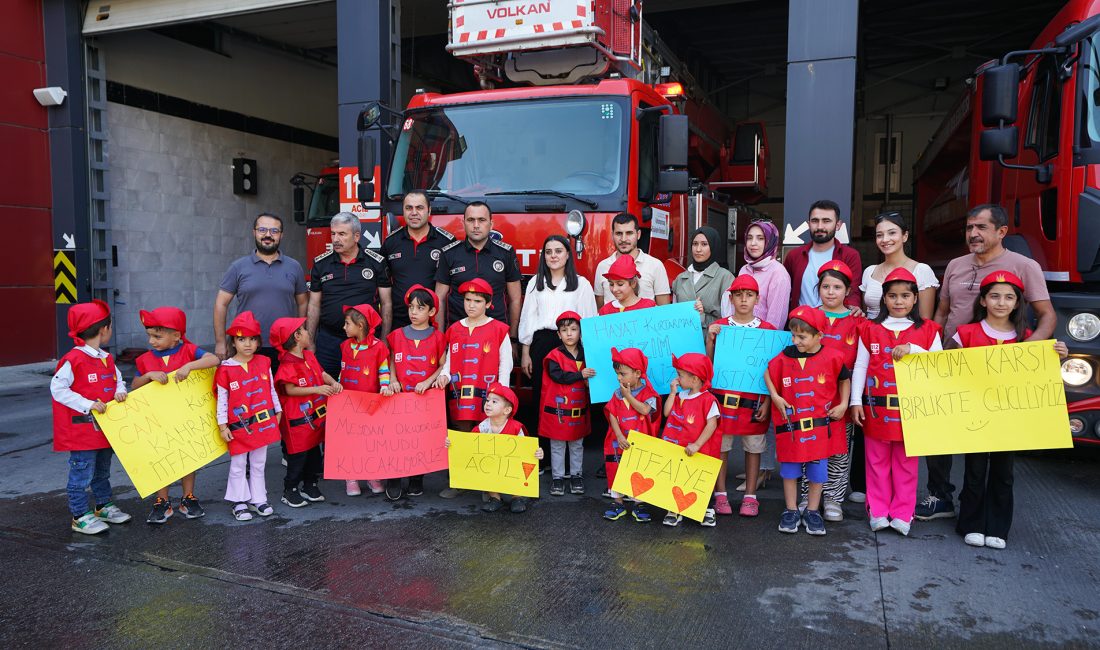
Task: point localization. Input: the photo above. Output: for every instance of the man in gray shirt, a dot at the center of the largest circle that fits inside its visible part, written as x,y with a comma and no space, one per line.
267,283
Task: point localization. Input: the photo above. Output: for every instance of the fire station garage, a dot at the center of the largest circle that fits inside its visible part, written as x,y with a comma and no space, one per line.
163,128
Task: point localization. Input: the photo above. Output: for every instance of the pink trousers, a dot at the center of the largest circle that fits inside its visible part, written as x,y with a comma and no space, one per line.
250,488
891,480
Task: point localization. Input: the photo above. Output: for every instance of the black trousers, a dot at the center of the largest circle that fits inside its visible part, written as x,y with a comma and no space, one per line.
939,477
328,351
543,343
985,503
857,474
303,467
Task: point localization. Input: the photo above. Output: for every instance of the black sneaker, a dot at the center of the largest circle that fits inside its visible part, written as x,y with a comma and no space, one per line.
162,510
416,486
312,493
519,504
576,485
934,508
393,489
601,472
493,505
294,499
557,487
190,507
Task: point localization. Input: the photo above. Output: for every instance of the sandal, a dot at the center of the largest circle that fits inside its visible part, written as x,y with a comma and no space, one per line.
241,513
761,481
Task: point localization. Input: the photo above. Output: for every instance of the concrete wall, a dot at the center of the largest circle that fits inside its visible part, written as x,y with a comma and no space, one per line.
175,219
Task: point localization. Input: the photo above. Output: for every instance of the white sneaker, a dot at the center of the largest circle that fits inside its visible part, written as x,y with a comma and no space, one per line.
994,542
974,539
879,523
857,497
833,511
111,514
352,489
88,524
901,526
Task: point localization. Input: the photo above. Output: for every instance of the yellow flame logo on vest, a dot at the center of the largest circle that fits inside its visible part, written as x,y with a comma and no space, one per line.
432,360
690,419
485,348
821,378
850,339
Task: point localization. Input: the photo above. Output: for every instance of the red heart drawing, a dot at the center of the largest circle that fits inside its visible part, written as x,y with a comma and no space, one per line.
639,483
527,469
683,501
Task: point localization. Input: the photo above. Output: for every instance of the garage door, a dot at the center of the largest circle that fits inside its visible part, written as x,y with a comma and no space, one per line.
105,16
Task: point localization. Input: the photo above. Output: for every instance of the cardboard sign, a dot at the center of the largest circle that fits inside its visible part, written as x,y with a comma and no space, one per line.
995,398
369,436
163,432
659,332
741,356
661,473
493,462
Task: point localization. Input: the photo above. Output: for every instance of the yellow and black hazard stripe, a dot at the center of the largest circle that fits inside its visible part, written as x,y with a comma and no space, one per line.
64,276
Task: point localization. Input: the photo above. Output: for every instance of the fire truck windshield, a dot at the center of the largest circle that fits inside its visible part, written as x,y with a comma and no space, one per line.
325,201
572,146
1090,79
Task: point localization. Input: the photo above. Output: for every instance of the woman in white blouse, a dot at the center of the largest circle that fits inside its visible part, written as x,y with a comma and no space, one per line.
891,233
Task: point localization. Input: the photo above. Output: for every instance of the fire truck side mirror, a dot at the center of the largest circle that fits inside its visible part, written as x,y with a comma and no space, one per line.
997,143
299,204
1000,94
672,154
365,191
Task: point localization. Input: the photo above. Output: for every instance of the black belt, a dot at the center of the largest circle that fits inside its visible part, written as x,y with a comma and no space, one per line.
464,392
887,401
736,401
805,424
563,413
612,458
261,416
317,414
84,419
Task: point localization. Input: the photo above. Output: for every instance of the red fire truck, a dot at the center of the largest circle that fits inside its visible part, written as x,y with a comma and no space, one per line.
1027,136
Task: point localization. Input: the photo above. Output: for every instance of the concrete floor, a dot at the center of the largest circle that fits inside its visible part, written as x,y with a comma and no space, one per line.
364,572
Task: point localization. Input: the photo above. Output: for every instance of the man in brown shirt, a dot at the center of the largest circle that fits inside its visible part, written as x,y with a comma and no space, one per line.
986,227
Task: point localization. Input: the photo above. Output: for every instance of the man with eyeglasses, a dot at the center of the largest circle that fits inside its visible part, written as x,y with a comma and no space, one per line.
267,283
986,227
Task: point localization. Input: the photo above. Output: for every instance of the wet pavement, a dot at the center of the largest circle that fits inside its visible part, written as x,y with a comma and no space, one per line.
429,572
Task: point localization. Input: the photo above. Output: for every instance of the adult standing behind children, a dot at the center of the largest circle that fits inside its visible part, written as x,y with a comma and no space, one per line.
891,233
412,252
986,227
705,281
652,279
804,262
761,248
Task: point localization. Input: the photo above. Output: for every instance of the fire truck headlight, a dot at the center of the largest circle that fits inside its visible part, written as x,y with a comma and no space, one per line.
1076,372
1076,426
574,223
1084,326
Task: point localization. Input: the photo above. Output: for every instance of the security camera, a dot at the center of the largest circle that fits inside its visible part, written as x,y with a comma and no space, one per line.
52,96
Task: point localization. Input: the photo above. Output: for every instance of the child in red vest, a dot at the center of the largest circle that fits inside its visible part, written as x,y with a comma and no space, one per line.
633,407
692,414
84,381
303,387
985,503
809,386
364,366
564,417
743,415
622,280
248,414
899,330
167,329
417,352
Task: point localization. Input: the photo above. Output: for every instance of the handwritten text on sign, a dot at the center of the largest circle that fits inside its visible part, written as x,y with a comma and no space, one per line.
369,436
494,462
164,432
659,332
741,356
995,398
661,473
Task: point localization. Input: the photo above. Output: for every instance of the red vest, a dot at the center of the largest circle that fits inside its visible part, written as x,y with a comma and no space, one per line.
809,385
686,422
736,408
608,308
972,335
93,379
249,402
616,408
568,418
303,423
883,420
842,335
475,361
415,361
150,362
512,428
359,365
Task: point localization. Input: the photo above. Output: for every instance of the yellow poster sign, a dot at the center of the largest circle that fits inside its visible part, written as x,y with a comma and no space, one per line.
164,432
494,463
994,398
662,474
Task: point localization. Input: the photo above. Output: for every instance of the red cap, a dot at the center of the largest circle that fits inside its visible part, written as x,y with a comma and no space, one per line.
282,330
477,285
744,282
85,314
696,364
1003,277
623,268
435,298
373,319
171,318
245,324
631,358
900,274
813,317
838,266
567,315
506,393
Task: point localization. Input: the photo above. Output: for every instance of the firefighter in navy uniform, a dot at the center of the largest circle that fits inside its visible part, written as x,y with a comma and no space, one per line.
412,252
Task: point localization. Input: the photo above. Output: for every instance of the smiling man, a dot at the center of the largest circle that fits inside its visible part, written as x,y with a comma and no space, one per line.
804,262
652,280
412,252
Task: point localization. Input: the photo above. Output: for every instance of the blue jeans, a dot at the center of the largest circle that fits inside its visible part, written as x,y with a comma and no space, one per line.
89,468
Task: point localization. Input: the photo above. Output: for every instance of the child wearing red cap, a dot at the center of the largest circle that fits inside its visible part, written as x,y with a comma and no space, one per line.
248,414
167,330
622,280
84,381
985,503
499,406
564,417
633,407
898,330
809,386
743,415
692,414
417,351
303,387
364,366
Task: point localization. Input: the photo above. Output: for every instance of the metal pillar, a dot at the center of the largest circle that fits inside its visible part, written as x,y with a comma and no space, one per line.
821,84
368,44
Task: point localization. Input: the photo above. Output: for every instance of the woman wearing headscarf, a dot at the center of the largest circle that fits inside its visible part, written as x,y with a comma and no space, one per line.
761,247
705,281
